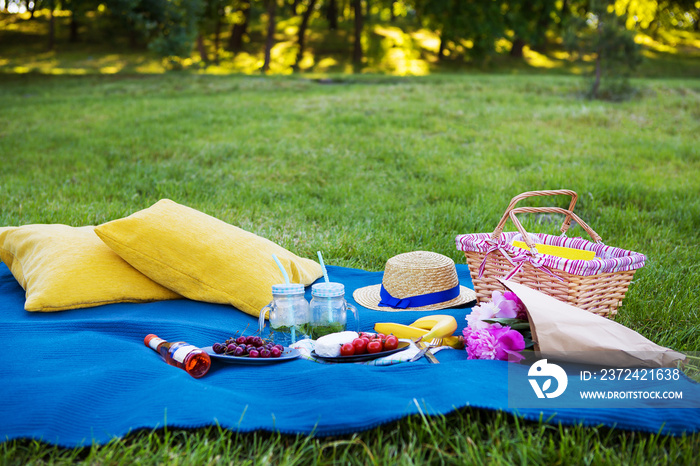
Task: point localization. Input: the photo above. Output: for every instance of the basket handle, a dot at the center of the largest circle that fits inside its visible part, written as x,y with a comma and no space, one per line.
555,192
555,210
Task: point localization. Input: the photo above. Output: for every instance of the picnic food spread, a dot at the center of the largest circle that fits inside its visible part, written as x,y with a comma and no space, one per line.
499,325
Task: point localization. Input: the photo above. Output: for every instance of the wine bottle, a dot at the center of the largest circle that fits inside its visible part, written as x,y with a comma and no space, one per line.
180,354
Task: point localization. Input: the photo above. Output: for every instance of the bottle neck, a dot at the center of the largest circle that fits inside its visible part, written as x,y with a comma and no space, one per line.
153,342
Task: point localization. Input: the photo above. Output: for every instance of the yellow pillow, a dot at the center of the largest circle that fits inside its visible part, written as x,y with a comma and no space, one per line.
204,258
62,267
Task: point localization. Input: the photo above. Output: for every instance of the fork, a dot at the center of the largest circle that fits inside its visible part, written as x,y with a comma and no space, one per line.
425,351
445,342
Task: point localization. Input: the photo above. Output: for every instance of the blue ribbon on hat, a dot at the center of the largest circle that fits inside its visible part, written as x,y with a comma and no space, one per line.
422,300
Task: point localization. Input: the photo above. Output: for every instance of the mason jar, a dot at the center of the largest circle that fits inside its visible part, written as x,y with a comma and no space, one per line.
329,310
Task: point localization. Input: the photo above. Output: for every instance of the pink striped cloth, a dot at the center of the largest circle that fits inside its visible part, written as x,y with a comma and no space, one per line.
608,259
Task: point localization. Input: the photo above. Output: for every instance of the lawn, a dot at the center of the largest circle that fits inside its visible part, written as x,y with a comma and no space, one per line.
364,168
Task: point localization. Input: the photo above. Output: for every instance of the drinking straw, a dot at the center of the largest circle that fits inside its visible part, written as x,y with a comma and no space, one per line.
325,276
284,272
323,266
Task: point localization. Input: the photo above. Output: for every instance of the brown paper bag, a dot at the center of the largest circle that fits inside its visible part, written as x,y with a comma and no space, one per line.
562,331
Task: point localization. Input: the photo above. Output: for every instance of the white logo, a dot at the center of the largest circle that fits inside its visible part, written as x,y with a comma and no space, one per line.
543,369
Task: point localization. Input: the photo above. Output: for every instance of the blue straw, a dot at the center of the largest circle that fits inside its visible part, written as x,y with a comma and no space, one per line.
323,266
284,272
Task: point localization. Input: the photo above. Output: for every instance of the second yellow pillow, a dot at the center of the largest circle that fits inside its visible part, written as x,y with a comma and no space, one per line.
203,258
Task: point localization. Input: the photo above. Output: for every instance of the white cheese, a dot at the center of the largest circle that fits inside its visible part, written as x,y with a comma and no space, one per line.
329,345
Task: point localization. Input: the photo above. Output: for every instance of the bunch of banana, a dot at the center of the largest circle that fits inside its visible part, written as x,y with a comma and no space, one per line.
426,328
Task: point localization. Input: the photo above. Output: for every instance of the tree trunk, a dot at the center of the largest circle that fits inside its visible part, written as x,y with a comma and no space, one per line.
516,50
441,48
332,15
235,43
52,27
217,35
270,40
596,82
357,46
202,49
133,36
564,12
74,24
301,37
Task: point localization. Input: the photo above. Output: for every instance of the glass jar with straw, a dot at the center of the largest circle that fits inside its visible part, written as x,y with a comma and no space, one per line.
329,308
288,312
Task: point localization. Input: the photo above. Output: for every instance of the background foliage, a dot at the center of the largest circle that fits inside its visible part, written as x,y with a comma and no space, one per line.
399,36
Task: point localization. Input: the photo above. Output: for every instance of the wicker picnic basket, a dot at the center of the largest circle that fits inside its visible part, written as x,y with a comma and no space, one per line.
598,285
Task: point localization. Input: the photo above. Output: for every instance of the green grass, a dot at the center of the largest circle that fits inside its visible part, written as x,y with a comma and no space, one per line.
364,170
466,437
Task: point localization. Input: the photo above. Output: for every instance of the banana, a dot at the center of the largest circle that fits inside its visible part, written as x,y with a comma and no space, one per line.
443,328
413,332
428,322
398,330
455,342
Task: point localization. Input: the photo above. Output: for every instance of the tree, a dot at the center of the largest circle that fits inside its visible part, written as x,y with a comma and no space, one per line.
270,37
78,10
677,14
177,29
478,22
602,32
357,53
301,34
332,14
529,20
240,27
30,6
212,18
52,25
169,27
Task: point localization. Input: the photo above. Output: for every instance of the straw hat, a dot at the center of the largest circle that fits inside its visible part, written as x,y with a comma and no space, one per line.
416,281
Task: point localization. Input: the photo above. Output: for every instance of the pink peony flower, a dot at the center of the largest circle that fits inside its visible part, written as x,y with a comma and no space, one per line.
493,343
481,312
509,305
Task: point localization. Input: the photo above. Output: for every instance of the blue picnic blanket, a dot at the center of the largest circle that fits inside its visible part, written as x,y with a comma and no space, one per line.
84,376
